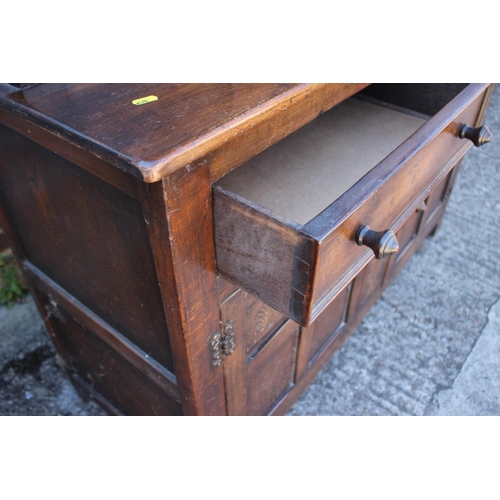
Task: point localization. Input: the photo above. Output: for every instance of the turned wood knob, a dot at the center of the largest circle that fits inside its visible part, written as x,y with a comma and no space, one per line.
383,243
478,135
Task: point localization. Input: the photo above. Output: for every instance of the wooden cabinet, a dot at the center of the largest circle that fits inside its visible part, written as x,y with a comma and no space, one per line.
202,249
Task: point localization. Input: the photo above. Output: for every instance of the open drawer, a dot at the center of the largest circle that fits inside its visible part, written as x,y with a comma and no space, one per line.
287,222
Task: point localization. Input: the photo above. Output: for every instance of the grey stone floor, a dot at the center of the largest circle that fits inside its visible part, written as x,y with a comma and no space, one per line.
31,382
430,346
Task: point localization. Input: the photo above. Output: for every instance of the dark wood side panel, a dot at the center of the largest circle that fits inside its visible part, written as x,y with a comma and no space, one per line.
157,373
74,154
101,367
86,391
261,253
87,236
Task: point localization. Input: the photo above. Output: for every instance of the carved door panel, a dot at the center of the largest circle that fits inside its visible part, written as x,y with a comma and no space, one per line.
261,369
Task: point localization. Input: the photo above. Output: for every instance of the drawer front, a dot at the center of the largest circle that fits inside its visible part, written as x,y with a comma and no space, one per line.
404,180
299,270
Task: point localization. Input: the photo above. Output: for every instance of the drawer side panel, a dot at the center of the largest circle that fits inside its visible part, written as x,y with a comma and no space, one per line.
263,255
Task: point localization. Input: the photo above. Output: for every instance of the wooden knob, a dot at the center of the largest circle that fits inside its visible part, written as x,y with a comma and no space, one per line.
383,243
478,135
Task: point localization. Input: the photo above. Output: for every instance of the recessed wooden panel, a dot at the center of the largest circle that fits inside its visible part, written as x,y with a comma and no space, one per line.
435,199
87,236
365,285
326,326
407,232
406,237
270,372
110,375
262,320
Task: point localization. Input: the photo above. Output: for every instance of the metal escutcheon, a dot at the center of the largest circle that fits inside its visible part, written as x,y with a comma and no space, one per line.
383,243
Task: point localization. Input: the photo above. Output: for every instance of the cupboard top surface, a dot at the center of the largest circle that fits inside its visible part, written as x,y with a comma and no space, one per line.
184,123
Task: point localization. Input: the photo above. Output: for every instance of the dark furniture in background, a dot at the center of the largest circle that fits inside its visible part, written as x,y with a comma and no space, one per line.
204,249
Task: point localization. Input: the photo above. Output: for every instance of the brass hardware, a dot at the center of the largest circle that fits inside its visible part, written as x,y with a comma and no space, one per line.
222,343
383,243
227,342
215,347
478,135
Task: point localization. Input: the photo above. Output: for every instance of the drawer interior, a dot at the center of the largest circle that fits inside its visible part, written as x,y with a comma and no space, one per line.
304,173
285,222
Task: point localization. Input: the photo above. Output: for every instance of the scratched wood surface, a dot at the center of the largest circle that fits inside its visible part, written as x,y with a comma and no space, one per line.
231,121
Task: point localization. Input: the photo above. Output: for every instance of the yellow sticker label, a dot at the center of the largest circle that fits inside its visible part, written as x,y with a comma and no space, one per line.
145,100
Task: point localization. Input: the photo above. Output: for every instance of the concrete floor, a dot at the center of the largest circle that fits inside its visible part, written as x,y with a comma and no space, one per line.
430,346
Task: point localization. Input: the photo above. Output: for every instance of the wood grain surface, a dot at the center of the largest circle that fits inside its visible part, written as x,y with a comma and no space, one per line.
186,122
87,236
179,214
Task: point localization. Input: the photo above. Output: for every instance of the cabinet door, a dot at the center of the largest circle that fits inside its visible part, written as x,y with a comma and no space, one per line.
261,369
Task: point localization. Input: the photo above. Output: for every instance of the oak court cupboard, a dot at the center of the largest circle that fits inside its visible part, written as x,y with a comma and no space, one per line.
204,249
